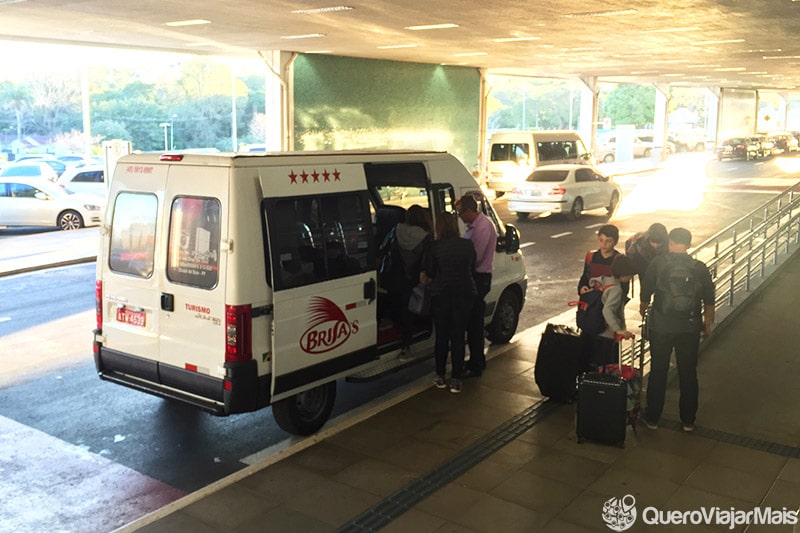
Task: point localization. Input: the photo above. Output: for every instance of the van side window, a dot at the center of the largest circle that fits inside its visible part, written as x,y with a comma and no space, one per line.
510,152
318,238
133,230
193,249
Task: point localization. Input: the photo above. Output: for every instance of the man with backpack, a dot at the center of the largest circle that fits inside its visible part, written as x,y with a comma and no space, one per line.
683,311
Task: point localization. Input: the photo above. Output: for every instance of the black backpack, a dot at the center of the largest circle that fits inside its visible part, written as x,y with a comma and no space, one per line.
590,311
678,284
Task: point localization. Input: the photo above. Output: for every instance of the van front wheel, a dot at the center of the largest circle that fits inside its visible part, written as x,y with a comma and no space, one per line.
305,412
506,317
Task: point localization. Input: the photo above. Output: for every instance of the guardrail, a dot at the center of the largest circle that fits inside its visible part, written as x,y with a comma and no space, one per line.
745,254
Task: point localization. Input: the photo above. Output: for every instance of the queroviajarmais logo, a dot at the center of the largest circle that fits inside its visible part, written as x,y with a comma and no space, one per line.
620,513
328,327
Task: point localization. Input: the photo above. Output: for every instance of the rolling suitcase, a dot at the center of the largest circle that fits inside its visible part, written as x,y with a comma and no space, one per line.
561,358
606,403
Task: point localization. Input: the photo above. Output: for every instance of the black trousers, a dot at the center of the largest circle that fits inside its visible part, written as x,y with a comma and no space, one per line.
475,329
686,346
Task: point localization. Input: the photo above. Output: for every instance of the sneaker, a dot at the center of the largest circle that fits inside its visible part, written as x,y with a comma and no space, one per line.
455,386
406,355
688,428
649,424
439,382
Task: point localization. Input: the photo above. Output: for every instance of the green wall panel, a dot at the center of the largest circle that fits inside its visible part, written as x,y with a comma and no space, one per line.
344,103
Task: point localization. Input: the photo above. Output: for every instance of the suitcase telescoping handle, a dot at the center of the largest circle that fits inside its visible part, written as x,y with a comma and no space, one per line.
618,341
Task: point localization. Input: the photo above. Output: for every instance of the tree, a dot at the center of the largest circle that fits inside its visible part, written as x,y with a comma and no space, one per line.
55,105
630,104
16,98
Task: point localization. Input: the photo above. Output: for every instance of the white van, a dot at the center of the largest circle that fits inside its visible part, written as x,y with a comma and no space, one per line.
236,281
514,155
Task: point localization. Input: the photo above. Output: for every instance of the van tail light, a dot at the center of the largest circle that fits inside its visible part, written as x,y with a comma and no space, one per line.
238,333
557,191
98,304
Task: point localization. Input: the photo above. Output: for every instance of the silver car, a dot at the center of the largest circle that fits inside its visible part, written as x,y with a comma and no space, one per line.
38,202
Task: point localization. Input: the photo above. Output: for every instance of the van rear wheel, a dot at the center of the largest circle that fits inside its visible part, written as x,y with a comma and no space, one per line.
305,412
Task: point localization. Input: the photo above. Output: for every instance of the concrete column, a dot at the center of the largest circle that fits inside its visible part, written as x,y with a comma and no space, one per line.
587,120
661,122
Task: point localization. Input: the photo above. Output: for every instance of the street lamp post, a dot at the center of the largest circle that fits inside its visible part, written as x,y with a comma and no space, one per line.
172,132
165,125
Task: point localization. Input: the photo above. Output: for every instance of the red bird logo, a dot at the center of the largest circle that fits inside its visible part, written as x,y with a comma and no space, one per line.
328,327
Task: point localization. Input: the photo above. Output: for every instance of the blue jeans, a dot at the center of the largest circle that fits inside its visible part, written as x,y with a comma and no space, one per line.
686,346
450,320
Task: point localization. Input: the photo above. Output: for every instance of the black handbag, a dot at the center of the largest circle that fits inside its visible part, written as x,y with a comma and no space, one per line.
420,301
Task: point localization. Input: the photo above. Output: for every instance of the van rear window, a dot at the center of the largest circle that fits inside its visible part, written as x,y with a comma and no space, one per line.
133,234
193,252
557,150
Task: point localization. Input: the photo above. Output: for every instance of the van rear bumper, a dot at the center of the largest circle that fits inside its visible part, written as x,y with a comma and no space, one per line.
199,390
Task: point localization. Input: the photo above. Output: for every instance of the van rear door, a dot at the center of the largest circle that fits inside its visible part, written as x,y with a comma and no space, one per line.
130,281
192,289
322,263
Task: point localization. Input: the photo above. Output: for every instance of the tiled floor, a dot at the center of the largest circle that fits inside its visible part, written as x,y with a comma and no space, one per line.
744,454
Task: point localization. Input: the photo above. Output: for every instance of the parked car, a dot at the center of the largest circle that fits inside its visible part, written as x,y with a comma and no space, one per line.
669,146
29,169
37,202
89,179
76,160
784,143
54,163
766,146
568,189
746,148
607,152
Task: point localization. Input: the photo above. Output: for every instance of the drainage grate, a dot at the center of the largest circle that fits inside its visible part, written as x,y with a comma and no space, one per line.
398,503
774,448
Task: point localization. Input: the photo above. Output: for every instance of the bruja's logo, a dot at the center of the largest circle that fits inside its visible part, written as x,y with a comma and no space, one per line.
328,327
620,513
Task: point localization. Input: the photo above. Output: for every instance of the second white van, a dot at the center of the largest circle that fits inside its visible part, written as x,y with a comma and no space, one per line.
514,155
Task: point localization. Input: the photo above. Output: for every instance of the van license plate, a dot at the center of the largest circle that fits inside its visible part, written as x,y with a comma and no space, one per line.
129,316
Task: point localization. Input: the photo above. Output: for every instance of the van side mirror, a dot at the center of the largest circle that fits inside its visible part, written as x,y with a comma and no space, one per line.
510,244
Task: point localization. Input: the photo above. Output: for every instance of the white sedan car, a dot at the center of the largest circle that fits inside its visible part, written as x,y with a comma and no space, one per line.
566,189
88,178
38,202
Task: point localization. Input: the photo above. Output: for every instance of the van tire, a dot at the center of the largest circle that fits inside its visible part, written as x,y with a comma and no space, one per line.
305,412
506,318
70,220
576,210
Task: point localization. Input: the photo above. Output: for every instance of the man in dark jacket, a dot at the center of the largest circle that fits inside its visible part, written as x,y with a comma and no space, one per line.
683,311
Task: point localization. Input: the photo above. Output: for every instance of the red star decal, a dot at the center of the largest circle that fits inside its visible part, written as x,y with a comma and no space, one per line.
304,176
336,175
315,175
326,175
293,177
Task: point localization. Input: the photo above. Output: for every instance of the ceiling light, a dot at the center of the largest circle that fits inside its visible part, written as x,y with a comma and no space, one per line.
321,10
724,41
4,2
432,27
610,13
193,22
515,39
305,36
470,54
703,66
673,30
393,46
780,57
730,69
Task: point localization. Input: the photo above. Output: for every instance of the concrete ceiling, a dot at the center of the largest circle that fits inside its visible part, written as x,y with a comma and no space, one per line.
694,43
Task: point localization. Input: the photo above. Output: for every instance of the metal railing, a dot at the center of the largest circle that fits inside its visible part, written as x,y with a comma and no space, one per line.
744,254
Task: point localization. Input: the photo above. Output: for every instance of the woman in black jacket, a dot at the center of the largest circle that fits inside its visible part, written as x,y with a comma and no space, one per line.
449,265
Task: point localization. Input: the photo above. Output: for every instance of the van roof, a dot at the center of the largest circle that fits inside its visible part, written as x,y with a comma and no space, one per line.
247,159
549,134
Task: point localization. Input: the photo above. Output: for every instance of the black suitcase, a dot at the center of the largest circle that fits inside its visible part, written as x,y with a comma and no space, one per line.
602,408
561,358
608,402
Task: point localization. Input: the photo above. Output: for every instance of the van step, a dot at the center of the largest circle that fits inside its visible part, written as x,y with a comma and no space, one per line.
389,363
